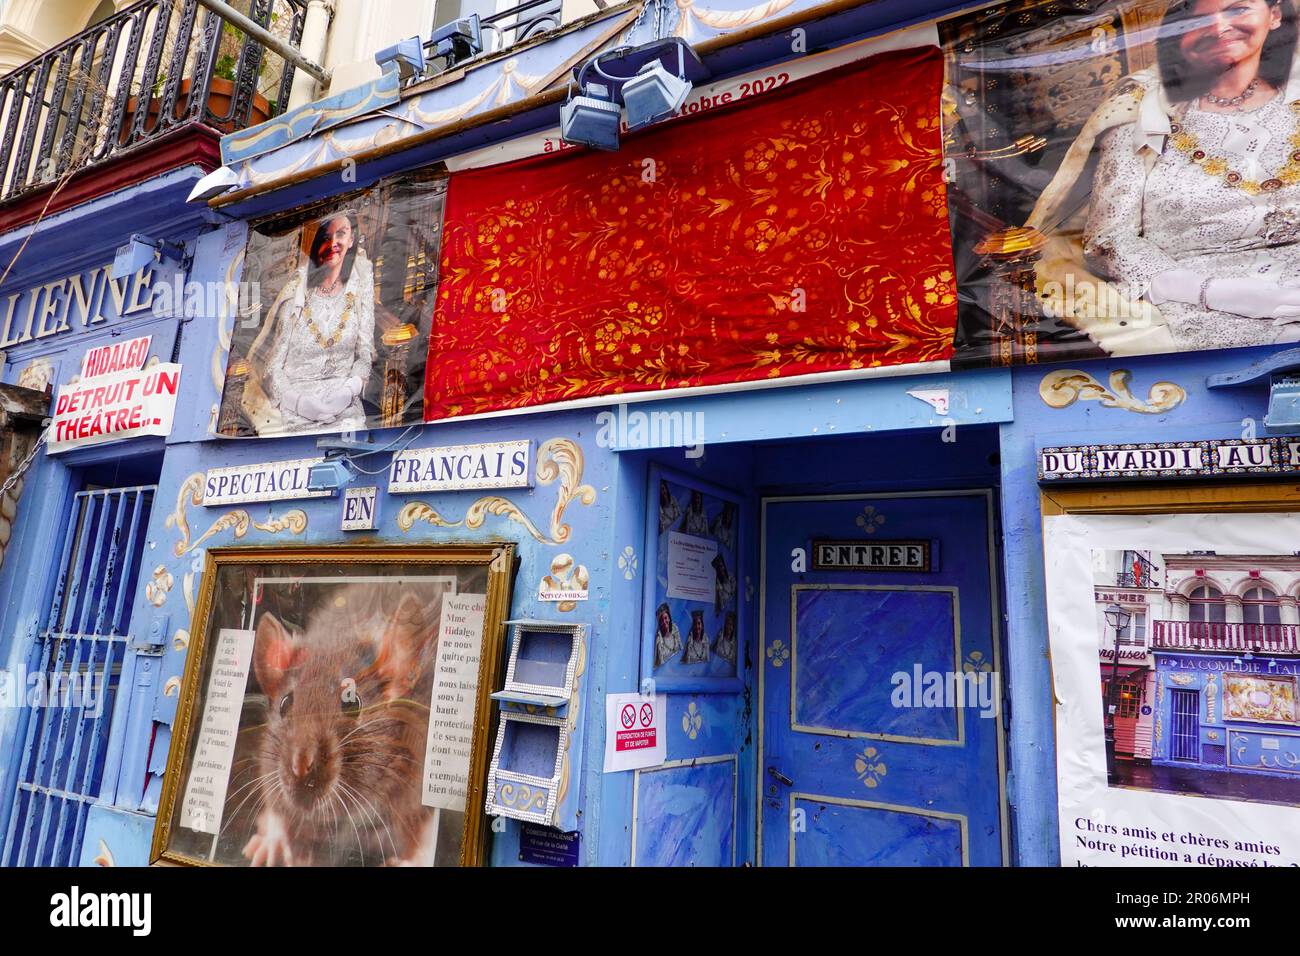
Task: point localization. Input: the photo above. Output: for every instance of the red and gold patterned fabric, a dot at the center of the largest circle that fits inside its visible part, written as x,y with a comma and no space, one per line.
803,232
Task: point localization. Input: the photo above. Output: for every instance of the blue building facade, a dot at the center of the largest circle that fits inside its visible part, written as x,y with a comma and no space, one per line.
804,757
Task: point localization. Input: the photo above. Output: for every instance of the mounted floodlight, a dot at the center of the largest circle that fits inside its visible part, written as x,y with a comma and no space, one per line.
329,475
405,56
140,252
591,118
215,183
645,82
458,40
654,93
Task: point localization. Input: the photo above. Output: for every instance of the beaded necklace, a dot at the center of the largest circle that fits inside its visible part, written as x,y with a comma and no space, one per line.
326,343
1186,142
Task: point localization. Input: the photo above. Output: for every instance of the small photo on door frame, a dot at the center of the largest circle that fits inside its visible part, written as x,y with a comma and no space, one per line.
692,632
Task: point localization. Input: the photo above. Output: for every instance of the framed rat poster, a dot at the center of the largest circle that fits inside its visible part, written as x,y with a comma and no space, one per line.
691,634
335,708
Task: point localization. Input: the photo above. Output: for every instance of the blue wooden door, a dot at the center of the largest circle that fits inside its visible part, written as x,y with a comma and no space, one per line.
881,692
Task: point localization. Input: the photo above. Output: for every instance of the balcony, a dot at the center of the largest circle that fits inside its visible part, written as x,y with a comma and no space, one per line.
1226,638
522,22
135,78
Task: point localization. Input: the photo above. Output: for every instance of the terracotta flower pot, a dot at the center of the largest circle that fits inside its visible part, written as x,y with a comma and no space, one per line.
220,94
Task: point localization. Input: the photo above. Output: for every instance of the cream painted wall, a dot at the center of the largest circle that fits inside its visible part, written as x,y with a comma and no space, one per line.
349,32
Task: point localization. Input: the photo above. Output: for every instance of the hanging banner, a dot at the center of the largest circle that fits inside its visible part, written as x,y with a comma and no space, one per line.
1113,190
342,299
124,404
1176,656
805,231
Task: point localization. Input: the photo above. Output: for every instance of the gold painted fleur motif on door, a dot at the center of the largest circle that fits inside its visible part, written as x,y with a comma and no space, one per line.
870,520
778,653
870,767
692,720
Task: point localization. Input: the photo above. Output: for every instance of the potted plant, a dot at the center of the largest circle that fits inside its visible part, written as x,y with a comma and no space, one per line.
221,93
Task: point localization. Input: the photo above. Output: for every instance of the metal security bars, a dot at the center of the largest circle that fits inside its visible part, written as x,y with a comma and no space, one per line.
135,77
1186,741
72,677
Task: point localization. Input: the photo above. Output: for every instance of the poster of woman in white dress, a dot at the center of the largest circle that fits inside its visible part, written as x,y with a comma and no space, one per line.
1124,181
337,334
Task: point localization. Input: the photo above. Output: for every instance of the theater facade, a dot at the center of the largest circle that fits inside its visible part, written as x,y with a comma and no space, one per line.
773,489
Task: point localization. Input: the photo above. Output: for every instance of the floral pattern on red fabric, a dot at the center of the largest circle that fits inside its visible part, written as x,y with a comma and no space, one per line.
804,232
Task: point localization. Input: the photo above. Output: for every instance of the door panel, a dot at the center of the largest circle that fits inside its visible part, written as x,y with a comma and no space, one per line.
836,670
840,834
881,733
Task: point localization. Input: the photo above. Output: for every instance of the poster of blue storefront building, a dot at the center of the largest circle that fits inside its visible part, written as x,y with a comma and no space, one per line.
1220,701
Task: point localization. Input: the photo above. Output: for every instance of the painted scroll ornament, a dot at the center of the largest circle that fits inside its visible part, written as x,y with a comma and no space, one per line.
239,521
557,459
1064,387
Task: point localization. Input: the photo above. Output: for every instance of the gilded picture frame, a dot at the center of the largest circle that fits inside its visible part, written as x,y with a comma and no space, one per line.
491,566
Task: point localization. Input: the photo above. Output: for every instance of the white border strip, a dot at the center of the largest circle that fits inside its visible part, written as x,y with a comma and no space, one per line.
734,89
693,391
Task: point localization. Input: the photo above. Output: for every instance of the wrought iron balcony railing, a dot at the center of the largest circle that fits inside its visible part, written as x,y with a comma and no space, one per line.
134,78
521,22
1217,636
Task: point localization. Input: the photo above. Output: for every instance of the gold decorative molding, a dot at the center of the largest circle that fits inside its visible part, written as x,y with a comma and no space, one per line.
1182,680
557,459
157,588
1063,387
522,796
105,855
191,493
562,458
422,511
495,505
191,488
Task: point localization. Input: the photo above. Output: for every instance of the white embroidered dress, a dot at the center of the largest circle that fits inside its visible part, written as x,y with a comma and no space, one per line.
1186,213
303,364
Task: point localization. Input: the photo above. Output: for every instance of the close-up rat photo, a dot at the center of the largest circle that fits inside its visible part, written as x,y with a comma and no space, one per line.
328,765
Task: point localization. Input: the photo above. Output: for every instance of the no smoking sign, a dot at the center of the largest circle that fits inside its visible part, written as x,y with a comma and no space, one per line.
634,735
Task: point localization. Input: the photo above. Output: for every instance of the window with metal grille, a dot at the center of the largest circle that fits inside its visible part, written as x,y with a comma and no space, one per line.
1186,740
1130,698
73,672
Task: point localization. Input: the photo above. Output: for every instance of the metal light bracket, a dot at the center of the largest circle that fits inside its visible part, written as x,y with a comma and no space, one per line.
1282,369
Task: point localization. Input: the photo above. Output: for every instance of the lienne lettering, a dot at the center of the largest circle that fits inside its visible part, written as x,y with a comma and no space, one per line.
84,300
